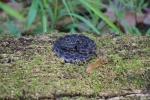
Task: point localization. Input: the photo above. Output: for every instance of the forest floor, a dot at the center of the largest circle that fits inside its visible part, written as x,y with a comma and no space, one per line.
29,69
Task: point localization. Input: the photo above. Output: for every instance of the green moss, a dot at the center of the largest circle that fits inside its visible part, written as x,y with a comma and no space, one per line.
39,73
123,66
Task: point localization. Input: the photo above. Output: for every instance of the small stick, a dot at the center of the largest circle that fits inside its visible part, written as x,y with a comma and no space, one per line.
97,63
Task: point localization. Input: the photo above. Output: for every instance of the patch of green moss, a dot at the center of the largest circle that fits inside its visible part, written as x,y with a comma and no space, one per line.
123,66
39,73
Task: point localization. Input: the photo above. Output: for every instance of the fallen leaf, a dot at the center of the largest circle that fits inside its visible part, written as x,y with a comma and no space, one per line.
147,19
96,64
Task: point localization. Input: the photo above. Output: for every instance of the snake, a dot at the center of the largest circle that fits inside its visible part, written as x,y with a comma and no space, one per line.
74,48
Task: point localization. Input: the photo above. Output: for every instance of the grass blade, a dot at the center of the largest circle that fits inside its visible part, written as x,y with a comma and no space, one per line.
101,15
148,32
74,26
32,14
51,14
44,17
64,2
86,21
135,30
44,23
13,29
11,11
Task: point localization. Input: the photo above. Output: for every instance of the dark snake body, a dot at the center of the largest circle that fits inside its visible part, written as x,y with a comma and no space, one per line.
74,48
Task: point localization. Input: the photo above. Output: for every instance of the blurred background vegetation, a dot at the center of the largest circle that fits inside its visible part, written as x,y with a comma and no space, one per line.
28,17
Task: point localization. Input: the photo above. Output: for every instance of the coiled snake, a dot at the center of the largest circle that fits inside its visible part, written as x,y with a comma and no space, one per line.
74,48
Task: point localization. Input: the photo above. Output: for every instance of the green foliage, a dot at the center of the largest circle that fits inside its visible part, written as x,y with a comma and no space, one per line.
55,11
50,12
11,11
148,32
44,17
92,22
13,29
85,21
119,9
31,14
134,5
100,14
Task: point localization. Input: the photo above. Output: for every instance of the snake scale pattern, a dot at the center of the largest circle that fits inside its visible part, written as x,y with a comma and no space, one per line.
74,48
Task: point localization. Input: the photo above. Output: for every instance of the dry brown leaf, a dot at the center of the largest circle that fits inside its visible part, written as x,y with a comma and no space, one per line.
110,14
96,64
131,19
147,19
